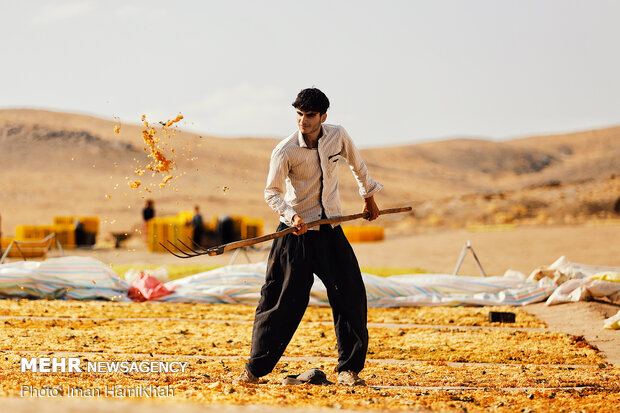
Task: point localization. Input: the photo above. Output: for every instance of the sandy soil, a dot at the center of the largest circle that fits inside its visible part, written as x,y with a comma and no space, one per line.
583,319
522,249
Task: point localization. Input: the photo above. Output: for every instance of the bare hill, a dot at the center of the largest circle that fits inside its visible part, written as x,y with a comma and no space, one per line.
67,164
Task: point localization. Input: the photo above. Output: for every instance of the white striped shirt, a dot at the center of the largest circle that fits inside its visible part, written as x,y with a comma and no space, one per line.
304,181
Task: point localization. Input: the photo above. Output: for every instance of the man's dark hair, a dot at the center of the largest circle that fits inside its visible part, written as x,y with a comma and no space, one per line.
311,100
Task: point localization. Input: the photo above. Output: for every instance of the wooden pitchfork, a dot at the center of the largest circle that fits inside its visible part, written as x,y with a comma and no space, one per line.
198,250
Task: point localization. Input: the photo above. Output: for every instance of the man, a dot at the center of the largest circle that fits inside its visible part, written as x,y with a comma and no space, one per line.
198,226
302,186
148,213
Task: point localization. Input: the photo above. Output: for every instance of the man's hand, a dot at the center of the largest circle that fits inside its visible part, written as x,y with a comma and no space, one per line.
301,226
371,207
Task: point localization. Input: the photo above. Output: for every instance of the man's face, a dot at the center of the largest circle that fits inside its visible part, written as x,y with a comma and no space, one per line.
310,122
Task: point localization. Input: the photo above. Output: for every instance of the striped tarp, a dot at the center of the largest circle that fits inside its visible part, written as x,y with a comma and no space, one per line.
71,278
86,278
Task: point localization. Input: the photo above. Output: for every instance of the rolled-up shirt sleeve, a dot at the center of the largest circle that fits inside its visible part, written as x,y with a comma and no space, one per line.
276,185
367,186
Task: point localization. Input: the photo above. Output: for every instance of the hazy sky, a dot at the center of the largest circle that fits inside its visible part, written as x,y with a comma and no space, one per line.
396,72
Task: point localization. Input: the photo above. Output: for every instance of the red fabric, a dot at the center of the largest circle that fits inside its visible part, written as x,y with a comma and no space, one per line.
146,288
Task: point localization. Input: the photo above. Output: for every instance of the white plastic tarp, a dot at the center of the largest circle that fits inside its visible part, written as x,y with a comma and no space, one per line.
87,278
240,284
579,282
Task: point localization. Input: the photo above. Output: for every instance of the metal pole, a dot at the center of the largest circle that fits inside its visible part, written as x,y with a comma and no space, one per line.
462,257
460,260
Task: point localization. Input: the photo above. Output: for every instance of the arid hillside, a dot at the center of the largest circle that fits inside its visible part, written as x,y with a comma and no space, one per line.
67,164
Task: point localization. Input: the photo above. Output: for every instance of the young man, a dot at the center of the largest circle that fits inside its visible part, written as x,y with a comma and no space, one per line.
302,186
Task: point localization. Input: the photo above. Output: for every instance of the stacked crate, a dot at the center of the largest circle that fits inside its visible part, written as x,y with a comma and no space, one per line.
33,232
35,248
245,227
14,252
177,227
253,227
168,228
65,229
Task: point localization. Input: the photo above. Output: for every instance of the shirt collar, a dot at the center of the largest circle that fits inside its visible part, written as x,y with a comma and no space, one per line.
302,141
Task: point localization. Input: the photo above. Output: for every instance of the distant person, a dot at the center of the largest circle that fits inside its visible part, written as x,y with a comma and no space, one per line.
225,229
80,233
148,213
198,226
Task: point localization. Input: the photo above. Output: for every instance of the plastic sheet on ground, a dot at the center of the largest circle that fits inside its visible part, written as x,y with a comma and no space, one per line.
613,322
579,282
240,284
87,278
146,287
72,278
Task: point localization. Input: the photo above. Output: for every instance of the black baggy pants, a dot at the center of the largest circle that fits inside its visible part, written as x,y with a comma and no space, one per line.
286,292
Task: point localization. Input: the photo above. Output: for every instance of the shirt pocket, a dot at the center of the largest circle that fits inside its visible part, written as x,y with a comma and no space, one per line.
335,157
332,163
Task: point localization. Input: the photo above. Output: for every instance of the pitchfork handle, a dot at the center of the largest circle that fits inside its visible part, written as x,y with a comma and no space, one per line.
251,241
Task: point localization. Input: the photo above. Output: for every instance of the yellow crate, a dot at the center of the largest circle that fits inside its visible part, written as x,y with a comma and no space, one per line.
239,226
366,233
176,227
254,227
27,251
65,234
33,232
165,229
211,226
5,242
185,216
64,220
91,224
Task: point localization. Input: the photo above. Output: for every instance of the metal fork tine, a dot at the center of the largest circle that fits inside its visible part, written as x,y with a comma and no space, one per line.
199,250
175,254
180,250
189,248
200,247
